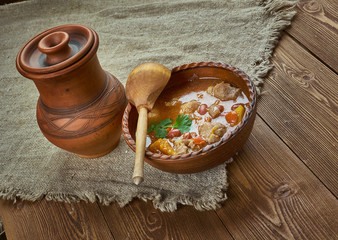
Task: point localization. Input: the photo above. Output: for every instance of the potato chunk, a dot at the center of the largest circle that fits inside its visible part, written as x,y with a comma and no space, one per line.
161,146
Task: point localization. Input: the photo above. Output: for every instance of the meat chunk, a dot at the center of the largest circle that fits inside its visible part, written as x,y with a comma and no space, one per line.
224,91
189,107
180,147
211,132
192,145
215,110
183,146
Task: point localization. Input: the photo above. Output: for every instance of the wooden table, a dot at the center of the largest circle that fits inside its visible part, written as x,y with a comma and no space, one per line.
283,185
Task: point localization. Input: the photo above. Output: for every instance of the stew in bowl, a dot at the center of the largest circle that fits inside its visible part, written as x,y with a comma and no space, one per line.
202,118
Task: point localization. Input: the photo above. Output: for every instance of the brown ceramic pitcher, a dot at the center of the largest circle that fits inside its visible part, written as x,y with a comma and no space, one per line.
80,105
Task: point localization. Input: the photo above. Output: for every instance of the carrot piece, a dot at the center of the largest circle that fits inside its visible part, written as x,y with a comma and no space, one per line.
232,117
199,141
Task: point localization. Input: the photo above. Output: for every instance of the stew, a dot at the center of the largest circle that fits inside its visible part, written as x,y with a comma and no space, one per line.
199,112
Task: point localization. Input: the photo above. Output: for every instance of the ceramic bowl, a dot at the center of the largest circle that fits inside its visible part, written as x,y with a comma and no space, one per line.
211,155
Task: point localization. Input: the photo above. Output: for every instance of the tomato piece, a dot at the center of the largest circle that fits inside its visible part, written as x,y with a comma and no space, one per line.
168,129
199,141
202,109
186,135
174,133
232,117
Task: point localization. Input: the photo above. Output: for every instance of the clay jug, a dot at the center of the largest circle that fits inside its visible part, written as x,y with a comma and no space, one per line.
80,105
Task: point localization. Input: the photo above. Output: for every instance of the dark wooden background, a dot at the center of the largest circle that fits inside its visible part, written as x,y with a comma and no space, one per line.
283,185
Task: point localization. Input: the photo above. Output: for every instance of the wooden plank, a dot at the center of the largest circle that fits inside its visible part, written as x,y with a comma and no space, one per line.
273,195
139,220
53,220
316,27
300,104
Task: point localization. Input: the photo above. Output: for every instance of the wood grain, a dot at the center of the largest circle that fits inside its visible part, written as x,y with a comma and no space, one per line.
316,27
140,220
53,220
300,103
273,195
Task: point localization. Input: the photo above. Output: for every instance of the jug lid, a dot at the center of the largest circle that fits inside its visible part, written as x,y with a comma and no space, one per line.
56,48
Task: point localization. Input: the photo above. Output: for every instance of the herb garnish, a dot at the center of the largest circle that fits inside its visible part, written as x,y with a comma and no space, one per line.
160,128
182,122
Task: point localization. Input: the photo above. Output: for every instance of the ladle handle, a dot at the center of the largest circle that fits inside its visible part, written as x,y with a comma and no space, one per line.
141,135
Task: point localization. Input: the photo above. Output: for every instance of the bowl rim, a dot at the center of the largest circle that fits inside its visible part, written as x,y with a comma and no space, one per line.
226,138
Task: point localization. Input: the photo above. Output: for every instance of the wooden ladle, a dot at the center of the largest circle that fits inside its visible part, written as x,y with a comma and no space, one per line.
144,85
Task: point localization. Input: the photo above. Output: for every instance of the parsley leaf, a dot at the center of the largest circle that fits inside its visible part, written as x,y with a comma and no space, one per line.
152,127
183,123
160,128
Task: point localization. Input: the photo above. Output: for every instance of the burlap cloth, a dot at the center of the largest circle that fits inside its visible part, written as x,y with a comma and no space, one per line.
172,32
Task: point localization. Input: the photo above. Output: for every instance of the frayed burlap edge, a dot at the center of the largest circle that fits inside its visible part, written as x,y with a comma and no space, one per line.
211,202
282,11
